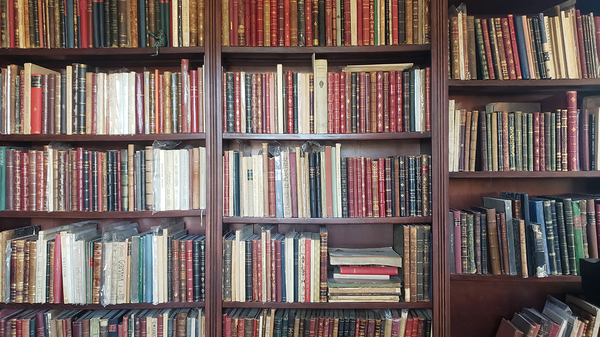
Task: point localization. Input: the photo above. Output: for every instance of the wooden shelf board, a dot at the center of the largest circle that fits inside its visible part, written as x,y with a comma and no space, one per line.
329,221
348,305
523,174
102,215
62,306
351,136
523,87
102,138
511,278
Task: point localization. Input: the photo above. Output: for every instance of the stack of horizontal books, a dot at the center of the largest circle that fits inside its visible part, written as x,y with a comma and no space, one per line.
364,275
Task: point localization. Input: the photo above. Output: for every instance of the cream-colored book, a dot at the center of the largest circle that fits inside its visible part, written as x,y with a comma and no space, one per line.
121,250
69,100
302,268
316,267
202,177
185,179
338,168
130,102
147,101
57,95
299,194
320,94
101,106
279,87
353,29
286,184
289,263
243,101
324,186
259,184
185,24
176,179
264,162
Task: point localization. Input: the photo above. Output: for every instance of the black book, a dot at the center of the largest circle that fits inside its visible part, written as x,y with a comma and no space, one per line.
115,180
76,107
524,198
312,185
81,110
196,267
248,267
278,323
419,186
321,23
412,187
291,317
539,53
393,180
109,180
344,183
354,102
94,185
402,174
426,263
401,22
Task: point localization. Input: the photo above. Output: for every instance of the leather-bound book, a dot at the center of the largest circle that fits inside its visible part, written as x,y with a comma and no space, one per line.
344,187
371,188
301,23
352,187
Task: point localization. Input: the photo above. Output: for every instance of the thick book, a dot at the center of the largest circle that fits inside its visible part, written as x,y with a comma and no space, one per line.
364,256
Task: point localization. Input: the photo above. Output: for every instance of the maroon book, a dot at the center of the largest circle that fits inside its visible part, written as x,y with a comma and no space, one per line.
370,194
336,103
393,101
580,48
399,97
382,190
290,102
40,173
389,186
189,272
572,130
185,92
278,276
506,142
330,115
194,101
342,102
237,107
360,186
24,165
488,49
515,49
378,101
362,102
508,49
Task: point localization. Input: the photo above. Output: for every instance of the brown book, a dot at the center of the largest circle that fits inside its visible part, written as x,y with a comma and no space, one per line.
472,55
493,243
454,39
50,268
501,53
508,48
413,263
372,105
508,329
32,271
388,187
176,270
272,204
20,270
372,188
96,274
182,271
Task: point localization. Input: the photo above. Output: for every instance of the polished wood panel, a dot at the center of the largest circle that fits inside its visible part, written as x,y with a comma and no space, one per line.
101,215
522,87
101,138
351,305
60,306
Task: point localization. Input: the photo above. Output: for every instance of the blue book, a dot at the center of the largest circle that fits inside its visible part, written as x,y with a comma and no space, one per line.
278,188
70,36
519,35
148,268
536,213
142,269
550,236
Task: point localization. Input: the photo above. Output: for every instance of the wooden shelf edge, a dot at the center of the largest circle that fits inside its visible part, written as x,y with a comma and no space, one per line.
329,221
102,215
102,138
62,306
511,278
326,305
523,174
74,52
326,50
341,137
558,83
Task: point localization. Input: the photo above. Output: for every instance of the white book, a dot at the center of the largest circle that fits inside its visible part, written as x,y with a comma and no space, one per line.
131,103
320,94
286,184
280,110
101,107
146,102
251,191
185,180
69,102
451,136
67,263
49,190
113,105
316,267
333,186
547,47
231,197
457,138
301,267
159,181
176,179
257,174
243,186
324,186
289,266
417,101
202,178
123,92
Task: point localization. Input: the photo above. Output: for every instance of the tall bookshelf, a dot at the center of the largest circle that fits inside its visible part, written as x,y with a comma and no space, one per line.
353,232
478,302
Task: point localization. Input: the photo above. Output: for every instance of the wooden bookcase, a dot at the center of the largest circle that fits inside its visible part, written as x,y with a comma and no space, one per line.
350,232
478,302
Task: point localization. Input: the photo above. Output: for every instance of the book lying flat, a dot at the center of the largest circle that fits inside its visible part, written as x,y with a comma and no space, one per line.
385,256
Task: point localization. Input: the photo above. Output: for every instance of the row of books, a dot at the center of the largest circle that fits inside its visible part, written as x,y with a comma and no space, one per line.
60,178
304,183
516,234
518,137
58,24
333,322
551,45
326,23
81,100
274,267
95,323
573,317
78,264
348,102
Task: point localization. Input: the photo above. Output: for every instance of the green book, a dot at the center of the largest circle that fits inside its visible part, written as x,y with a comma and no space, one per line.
511,141
530,141
518,141
482,61
577,233
500,138
229,101
470,244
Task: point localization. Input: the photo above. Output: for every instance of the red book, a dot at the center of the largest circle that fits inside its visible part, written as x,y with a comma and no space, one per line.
393,101
260,29
80,179
40,172
515,49
330,118
351,188
58,293
386,101
286,23
278,276
272,209
347,24
572,130
394,23
139,103
83,23
360,192
274,23
118,171
368,270
328,187
366,15
399,97
36,104
290,102
237,98
268,112
194,101
234,9
308,24
542,141
580,49
488,49
329,23
371,189
100,183
382,168
508,49
185,93
160,119
342,102
247,23
189,270
253,23
260,103
380,127
294,183
336,103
